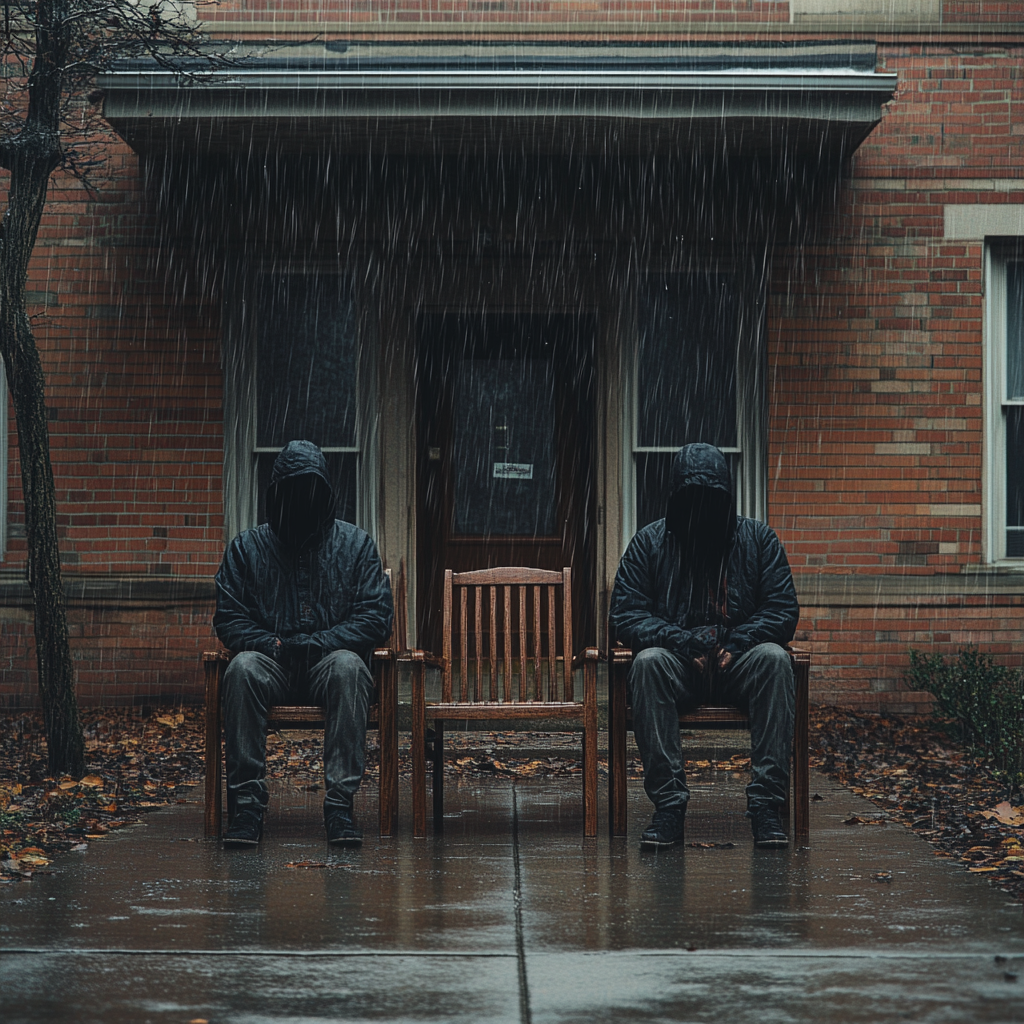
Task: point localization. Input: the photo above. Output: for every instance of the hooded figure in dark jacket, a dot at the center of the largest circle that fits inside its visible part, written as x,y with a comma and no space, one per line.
705,599
302,601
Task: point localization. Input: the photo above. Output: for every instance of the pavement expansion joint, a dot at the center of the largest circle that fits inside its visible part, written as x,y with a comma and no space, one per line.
525,1015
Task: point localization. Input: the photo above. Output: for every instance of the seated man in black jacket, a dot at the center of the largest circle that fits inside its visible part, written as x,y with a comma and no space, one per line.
302,601
705,599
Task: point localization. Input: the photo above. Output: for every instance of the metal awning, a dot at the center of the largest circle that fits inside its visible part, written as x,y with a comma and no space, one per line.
414,105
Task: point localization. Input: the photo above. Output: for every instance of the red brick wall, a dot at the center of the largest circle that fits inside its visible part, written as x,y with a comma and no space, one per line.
876,361
131,348
367,14
875,399
618,16
130,341
122,655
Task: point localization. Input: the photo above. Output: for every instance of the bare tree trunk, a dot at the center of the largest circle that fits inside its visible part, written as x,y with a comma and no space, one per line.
31,160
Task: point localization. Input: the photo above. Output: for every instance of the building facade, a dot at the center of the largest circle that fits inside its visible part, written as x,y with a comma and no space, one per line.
500,260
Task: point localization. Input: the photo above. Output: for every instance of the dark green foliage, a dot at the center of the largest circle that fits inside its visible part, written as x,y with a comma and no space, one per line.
979,703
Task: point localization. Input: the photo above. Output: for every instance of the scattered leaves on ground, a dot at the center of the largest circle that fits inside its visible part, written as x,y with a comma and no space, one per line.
917,777
134,764
138,762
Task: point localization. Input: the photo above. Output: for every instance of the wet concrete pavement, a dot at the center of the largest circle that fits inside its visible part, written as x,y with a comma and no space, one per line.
511,916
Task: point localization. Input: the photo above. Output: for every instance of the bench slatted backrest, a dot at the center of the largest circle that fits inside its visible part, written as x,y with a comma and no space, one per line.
507,636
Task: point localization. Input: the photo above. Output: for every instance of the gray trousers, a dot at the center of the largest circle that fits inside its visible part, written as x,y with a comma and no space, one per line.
759,682
340,682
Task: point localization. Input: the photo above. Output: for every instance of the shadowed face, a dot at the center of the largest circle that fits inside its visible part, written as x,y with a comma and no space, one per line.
701,518
298,508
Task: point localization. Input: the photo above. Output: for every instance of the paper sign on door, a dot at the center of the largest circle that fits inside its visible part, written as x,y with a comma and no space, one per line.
513,471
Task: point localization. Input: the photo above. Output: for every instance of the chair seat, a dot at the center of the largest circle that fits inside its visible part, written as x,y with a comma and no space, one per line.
382,715
715,716
620,719
297,714
509,709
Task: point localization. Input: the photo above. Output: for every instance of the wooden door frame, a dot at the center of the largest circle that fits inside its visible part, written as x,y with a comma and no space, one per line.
430,554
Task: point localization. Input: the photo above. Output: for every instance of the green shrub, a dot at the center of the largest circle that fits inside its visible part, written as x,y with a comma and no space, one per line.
978,702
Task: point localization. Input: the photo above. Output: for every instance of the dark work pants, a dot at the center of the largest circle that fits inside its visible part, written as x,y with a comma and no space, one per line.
340,683
760,682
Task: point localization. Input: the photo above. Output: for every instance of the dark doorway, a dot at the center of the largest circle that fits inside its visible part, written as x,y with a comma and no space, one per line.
505,407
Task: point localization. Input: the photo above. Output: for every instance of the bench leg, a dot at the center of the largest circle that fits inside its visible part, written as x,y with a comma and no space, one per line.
617,750
212,816
801,756
419,754
590,749
388,732
438,775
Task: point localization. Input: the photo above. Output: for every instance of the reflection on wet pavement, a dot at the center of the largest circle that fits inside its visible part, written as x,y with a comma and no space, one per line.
511,915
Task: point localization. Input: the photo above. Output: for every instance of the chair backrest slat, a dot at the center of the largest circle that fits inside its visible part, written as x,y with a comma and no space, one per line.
446,640
492,646
507,622
400,632
567,647
538,694
523,694
526,630
552,647
478,638
463,646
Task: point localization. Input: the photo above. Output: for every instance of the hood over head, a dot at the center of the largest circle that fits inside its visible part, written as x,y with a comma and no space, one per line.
701,508
300,498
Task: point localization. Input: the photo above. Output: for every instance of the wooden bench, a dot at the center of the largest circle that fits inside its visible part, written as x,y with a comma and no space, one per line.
382,717
620,719
509,620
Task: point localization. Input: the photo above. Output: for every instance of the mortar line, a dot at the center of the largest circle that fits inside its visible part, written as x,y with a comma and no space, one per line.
525,1015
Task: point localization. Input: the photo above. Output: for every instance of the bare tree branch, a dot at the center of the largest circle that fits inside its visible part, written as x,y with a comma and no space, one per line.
49,56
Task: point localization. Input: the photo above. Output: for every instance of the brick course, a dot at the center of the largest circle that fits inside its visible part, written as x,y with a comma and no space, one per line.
875,354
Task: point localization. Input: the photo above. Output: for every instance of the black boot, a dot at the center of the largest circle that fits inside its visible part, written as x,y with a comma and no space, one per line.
246,829
766,826
342,830
666,828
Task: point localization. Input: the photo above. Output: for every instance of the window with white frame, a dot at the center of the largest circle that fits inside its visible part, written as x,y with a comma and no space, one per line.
692,376
307,379
296,371
1005,401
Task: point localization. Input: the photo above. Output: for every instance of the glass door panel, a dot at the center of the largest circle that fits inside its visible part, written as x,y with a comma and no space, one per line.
503,448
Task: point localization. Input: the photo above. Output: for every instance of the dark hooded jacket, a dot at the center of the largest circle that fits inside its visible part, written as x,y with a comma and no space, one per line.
317,590
654,604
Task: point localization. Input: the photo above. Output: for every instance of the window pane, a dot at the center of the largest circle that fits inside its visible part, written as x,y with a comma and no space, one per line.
1015,481
305,361
652,471
686,370
504,448
652,475
343,469
1015,330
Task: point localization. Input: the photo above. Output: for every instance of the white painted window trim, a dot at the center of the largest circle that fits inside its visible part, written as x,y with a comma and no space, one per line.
240,448
997,254
4,462
751,432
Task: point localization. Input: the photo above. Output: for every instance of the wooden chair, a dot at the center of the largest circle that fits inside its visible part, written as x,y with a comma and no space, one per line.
382,716
620,718
508,622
